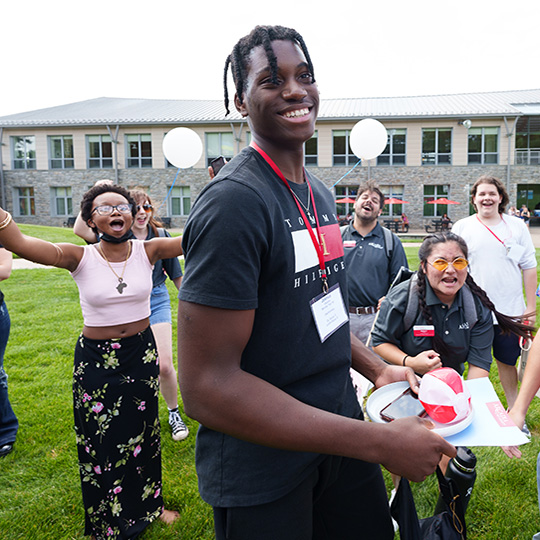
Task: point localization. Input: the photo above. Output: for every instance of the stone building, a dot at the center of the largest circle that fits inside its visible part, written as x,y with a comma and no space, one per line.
437,147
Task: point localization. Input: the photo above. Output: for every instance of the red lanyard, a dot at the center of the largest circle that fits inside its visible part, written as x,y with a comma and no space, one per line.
317,244
501,241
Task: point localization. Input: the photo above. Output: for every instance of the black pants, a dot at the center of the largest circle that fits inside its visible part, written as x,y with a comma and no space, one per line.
343,499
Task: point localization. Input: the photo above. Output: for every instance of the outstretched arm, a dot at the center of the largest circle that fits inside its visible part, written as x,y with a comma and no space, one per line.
34,249
212,381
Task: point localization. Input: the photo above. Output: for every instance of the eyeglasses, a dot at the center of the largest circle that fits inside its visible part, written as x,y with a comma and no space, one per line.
459,263
146,207
108,209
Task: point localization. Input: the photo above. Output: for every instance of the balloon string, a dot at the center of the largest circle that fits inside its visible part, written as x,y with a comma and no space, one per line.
165,199
358,163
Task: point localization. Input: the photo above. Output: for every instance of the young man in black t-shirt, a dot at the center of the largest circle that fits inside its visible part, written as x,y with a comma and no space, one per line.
264,335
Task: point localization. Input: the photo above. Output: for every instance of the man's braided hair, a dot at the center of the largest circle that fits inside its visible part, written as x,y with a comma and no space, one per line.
239,57
507,324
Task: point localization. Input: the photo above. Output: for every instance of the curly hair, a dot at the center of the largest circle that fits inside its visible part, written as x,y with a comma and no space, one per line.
239,57
88,199
140,196
507,324
372,187
500,188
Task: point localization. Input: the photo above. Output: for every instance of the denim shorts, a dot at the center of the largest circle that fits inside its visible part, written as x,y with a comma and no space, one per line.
160,305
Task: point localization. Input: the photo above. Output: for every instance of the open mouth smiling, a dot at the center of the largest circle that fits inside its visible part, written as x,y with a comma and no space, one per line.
298,113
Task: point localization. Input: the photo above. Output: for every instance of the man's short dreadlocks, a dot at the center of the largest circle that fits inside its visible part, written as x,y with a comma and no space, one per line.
260,35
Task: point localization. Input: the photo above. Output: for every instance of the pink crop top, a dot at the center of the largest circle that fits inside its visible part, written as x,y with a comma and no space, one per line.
101,303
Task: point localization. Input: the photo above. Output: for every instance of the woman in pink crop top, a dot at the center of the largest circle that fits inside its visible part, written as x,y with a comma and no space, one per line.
116,372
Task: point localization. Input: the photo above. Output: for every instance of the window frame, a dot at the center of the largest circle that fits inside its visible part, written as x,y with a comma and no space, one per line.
19,197
67,199
439,191
394,158
102,160
64,161
221,144
349,157
140,160
27,161
482,154
312,159
437,154
181,199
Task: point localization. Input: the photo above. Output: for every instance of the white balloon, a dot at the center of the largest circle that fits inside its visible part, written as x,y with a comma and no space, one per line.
182,147
368,138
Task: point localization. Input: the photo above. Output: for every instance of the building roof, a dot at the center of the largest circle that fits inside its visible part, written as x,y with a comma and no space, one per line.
128,111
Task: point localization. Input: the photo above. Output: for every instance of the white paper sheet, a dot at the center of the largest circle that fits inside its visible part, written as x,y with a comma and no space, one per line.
491,425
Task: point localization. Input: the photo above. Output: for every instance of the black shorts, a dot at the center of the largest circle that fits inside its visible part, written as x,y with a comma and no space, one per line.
506,348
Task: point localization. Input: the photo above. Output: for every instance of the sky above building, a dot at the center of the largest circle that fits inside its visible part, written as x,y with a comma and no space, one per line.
61,51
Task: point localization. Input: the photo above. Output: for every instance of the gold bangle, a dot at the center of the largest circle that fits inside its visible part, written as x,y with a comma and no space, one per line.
6,221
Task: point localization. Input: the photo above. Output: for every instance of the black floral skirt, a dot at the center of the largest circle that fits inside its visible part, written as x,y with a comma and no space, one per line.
115,402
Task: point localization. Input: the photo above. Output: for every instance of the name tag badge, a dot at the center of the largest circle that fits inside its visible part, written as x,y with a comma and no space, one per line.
515,252
425,330
329,312
349,243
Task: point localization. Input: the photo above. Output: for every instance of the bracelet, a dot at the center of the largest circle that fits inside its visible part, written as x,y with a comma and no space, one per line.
405,358
6,221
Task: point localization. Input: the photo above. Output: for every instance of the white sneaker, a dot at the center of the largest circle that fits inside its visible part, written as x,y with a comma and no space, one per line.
179,429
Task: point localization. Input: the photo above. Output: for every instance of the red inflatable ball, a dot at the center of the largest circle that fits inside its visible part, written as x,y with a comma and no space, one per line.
444,395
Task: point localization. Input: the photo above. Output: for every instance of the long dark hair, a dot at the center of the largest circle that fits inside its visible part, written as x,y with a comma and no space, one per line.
507,324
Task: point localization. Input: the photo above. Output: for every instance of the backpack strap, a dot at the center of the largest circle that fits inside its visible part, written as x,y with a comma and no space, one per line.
388,241
469,306
161,232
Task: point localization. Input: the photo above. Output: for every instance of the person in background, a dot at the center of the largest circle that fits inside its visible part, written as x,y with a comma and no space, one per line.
404,223
282,451
442,333
373,257
503,262
525,214
116,369
9,424
146,226
445,222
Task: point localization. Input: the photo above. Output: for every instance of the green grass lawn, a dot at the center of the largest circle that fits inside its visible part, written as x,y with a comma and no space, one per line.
39,482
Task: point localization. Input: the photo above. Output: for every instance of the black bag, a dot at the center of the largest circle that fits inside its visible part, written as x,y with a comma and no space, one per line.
448,525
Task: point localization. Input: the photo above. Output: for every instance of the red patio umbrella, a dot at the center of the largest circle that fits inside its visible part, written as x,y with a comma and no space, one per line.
393,200
442,200
346,200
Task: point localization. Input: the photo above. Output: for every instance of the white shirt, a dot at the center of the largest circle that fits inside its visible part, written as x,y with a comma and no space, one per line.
490,264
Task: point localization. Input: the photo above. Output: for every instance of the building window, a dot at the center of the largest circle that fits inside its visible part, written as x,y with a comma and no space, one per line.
394,153
528,140
347,194
99,151
311,151
392,209
61,201
23,150
432,193
436,146
23,201
219,144
139,151
61,152
342,153
483,145
180,201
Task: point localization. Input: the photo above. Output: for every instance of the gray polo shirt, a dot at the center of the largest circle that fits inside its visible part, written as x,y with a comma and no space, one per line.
369,269
472,345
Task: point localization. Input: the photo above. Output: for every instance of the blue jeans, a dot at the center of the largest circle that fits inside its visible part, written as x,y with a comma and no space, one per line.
8,421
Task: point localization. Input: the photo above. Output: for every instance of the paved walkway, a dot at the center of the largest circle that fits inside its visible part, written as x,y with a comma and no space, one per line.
19,264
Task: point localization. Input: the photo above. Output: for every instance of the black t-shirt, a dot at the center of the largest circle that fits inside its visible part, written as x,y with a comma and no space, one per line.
246,247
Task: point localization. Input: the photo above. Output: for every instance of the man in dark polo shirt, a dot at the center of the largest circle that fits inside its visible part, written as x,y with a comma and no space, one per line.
373,257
